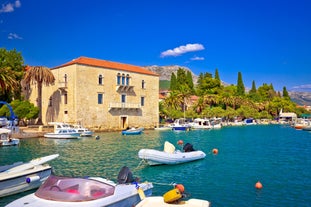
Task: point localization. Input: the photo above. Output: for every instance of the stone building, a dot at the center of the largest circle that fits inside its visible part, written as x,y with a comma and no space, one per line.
101,94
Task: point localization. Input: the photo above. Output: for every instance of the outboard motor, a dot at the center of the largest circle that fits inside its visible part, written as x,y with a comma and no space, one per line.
188,147
125,176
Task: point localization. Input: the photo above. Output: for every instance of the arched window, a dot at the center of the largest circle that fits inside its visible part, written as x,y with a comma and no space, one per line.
100,80
118,79
123,79
127,79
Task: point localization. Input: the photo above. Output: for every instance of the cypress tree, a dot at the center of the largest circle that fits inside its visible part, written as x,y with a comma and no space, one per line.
285,93
253,89
173,85
240,86
190,80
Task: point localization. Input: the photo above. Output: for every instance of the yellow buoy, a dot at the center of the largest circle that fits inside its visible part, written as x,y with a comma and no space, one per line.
172,196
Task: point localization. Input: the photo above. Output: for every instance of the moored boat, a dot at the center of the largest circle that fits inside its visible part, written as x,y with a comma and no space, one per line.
132,131
169,155
84,132
87,192
5,139
20,177
62,131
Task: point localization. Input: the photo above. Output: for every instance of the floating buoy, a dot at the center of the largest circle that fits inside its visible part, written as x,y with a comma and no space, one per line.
258,185
180,187
215,151
180,142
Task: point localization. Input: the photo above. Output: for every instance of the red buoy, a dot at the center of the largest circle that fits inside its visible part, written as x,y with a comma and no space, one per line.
180,142
258,185
215,151
180,187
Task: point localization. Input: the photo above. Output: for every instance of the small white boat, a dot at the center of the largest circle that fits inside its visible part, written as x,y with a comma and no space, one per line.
20,177
84,132
169,155
5,139
199,123
87,192
132,131
62,131
180,125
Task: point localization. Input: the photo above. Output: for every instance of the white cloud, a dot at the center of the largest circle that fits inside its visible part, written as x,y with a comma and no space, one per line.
182,49
12,36
197,58
307,86
9,7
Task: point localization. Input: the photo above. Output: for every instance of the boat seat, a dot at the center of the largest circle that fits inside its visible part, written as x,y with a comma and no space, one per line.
169,147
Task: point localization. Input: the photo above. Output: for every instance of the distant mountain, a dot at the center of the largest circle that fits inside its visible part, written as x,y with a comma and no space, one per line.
301,98
165,72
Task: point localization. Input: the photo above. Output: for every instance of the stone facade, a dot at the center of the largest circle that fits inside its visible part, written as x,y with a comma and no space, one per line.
101,94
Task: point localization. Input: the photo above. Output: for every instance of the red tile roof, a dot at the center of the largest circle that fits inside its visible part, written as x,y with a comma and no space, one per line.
107,64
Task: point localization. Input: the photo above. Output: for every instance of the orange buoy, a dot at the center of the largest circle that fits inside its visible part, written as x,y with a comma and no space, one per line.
215,151
180,187
180,142
258,185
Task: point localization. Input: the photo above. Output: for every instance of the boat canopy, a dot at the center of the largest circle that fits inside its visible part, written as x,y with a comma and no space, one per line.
67,189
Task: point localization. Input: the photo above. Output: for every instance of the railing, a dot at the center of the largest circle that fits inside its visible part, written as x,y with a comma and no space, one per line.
125,105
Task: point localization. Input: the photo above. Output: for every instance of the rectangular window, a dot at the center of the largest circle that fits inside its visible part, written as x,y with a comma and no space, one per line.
65,98
142,101
143,84
123,98
100,98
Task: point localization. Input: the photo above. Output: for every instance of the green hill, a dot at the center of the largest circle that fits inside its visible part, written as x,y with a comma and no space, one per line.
164,84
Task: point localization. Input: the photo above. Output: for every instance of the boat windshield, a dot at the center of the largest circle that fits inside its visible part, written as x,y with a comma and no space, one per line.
68,189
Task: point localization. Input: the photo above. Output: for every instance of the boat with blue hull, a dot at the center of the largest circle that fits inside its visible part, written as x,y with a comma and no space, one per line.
132,131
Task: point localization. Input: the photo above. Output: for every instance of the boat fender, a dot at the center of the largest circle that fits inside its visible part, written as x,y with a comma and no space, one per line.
32,178
172,196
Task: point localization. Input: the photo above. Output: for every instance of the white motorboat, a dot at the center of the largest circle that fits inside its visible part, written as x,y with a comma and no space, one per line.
5,139
62,131
199,123
169,155
20,177
84,132
180,125
87,192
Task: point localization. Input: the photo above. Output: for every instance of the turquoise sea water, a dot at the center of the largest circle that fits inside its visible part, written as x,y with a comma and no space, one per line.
277,156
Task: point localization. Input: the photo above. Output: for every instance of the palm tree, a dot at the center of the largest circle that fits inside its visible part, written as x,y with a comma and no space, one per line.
8,80
40,75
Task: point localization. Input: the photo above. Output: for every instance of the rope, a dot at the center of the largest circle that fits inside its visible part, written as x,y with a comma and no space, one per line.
168,184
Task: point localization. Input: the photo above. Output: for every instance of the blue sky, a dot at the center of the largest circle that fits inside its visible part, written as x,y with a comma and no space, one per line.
268,41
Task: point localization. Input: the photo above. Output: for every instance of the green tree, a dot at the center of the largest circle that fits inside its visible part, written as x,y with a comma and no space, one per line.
240,85
173,85
41,76
11,73
217,75
190,80
285,93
